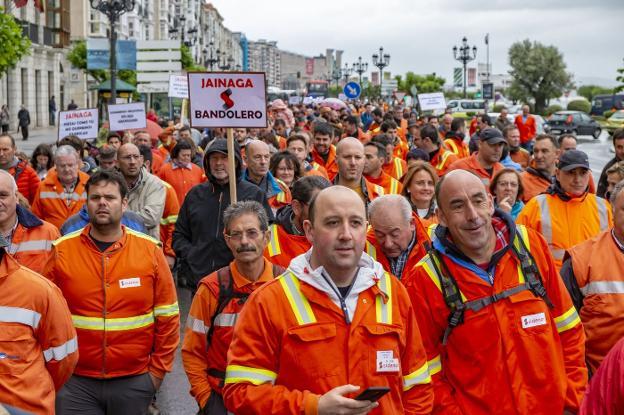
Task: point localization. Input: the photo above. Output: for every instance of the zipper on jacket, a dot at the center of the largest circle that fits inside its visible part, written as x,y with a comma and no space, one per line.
104,314
343,303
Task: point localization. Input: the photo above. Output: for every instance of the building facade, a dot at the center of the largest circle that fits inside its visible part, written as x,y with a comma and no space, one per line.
297,69
264,56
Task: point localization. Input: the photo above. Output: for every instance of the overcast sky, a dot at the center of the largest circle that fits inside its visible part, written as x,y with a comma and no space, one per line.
419,34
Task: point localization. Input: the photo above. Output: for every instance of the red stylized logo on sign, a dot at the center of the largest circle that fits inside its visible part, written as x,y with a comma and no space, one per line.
227,101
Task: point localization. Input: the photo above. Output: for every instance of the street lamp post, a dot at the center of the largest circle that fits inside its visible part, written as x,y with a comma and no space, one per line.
336,73
381,60
346,72
360,67
211,60
113,9
462,54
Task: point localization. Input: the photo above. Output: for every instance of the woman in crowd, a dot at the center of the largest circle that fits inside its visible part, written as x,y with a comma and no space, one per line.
506,187
285,167
42,160
419,189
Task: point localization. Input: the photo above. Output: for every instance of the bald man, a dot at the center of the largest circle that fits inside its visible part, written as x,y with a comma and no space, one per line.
350,159
501,334
335,316
257,157
146,192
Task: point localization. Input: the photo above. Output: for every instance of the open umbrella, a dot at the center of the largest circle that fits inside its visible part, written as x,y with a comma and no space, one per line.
333,103
152,128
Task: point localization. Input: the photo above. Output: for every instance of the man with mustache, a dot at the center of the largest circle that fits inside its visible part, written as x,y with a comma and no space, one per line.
499,327
334,324
220,299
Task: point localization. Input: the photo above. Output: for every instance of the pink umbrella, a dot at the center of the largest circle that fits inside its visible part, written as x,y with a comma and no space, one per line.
333,103
152,128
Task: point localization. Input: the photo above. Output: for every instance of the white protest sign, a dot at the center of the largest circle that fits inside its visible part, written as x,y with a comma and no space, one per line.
294,100
227,99
432,101
178,86
81,123
308,100
127,116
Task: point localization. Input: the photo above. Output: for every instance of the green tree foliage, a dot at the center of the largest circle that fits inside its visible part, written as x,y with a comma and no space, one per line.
77,56
424,83
620,79
579,105
538,73
13,44
553,108
188,64
590,91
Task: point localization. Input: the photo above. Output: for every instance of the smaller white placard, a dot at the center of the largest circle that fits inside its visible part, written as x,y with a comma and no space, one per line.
432,101
178,86
127,116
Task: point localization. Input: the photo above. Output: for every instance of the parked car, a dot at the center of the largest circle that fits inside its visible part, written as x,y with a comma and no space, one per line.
466,105
606,102
615,121
575,122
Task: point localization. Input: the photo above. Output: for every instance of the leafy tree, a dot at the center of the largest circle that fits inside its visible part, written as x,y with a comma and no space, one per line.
590,91
538,72
13,44
188,64
620,79
424,83
77,56
579,105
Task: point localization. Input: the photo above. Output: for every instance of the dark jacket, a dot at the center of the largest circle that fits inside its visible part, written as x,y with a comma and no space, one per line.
24,117
198,236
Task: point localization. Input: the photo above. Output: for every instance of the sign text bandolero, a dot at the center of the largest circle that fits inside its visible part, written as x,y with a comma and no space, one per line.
227,99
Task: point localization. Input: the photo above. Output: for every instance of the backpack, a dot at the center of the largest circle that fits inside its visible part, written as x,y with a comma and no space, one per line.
452,296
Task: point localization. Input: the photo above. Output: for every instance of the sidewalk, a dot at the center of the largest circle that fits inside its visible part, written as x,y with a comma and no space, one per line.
37,136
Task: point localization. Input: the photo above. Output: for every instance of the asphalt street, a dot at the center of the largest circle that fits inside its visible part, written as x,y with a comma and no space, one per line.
600,151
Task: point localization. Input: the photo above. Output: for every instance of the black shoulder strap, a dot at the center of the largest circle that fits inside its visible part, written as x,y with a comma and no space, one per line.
532,276
226,294
18,171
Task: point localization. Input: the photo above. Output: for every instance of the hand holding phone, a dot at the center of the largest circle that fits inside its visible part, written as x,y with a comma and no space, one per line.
372,393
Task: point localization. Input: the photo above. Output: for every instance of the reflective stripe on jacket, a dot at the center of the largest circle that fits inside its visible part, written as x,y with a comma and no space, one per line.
123,303
50,203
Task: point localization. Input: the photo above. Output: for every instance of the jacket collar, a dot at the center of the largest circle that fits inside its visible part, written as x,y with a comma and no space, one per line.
26,218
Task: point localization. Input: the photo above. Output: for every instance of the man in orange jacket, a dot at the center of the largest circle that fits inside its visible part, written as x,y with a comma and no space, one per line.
526,124
298,144
538,176
593,272
25,176
373,172
397,237
123,303
287,239
567,214
394,167
219,300
30,239
62,193
180,172
39,345
439,157
327,329
485,163
350,159
501,333
455,138
323,152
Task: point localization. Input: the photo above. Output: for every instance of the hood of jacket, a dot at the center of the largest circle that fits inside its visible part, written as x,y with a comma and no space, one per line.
219,145
370,271
283,217
26,218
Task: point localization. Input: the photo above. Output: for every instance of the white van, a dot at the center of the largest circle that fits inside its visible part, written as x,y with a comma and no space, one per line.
466,105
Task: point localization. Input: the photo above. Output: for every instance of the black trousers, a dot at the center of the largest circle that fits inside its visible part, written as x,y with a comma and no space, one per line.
24,131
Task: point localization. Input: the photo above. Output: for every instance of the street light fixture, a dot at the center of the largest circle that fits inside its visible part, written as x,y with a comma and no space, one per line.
381,60
462,54
213,58
113,9
360,67
346,72
336,75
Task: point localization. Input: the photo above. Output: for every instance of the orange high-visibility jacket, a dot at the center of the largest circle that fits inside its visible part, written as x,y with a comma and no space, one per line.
533,183
417,253
169,218
400,149
123,303
514,356
53,205
181,178
458,147
38,345
396,168
521,156
315,169
598,267
527,129
331,167
26,179
472,164
283,247
443,160
199,357
566,223
292,344
31,244
390,185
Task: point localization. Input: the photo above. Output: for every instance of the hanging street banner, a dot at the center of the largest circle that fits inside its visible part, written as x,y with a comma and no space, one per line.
227,99
127,116
81,123
178,86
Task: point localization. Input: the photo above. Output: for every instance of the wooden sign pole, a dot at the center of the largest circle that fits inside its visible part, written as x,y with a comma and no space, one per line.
231,164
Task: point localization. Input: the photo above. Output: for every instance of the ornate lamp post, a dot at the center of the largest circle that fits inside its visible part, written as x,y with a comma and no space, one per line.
213,58
381,60
360,67
113,9
462,54
346,72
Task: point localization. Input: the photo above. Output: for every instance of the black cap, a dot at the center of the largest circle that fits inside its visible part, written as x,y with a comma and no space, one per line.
492,136
572,159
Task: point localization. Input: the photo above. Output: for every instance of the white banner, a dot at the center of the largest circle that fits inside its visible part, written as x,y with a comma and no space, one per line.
81,123
178,86
227,99
127,116
432,101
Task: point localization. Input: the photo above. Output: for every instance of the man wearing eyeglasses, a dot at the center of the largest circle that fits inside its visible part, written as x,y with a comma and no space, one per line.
219,299
146,193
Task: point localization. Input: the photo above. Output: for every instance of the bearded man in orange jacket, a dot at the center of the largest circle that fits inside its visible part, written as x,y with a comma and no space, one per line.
501,333
334,324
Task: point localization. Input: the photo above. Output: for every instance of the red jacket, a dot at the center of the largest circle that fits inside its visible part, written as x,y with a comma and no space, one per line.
123,303
26,179
605,394
515,356
181,178
169,219
527,128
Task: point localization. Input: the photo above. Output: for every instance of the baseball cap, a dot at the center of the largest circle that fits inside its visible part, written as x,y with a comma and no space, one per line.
492,136
572,159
